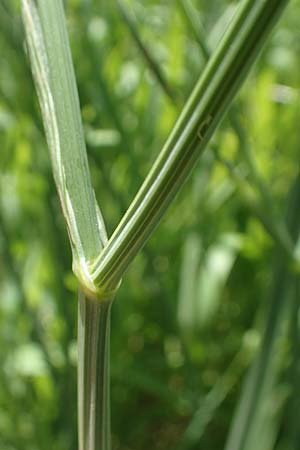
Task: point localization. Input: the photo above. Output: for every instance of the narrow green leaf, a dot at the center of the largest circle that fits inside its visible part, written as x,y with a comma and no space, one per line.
53,72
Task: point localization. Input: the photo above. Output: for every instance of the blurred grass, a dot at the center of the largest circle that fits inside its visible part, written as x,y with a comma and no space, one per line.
160,374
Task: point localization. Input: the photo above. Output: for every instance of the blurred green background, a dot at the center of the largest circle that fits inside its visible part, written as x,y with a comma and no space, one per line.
192,309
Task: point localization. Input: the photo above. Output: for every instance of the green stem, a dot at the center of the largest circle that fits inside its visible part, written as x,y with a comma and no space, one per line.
93,373
263,207
193,130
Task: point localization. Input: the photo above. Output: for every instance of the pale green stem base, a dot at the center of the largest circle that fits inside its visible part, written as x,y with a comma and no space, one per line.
93,373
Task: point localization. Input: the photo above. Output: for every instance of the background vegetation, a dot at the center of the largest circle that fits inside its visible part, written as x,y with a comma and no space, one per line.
216,274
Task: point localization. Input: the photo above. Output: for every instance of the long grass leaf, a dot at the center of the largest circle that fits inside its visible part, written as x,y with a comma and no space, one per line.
53,72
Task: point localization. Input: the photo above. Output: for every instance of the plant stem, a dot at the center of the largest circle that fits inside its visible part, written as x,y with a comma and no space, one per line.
191,134
93,373
263,207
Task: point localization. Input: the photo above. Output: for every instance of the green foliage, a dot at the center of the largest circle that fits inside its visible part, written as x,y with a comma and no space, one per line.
165,378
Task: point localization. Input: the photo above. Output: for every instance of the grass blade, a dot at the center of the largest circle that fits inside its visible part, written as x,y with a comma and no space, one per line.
55,81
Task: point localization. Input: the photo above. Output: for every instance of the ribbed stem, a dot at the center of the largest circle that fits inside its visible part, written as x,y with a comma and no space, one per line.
93,373
202,114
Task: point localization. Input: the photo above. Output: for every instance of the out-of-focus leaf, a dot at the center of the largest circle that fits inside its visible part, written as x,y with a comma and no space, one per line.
186,312
214,272
28,360
202,280
102,138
